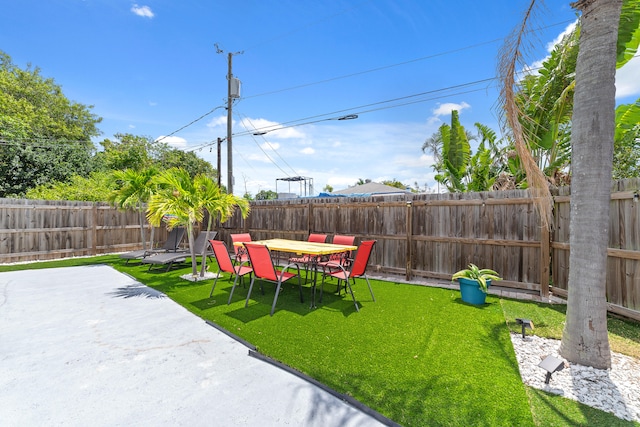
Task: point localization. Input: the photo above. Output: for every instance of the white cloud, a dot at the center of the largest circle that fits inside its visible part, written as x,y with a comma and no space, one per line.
446,108
340,155
273,146
274,129
173,141
217,121
627,81
568,30
536,65
144,11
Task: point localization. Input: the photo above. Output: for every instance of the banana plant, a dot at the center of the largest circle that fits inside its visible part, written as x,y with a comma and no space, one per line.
626,152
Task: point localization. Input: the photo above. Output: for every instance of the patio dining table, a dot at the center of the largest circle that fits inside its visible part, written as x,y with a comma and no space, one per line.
298,247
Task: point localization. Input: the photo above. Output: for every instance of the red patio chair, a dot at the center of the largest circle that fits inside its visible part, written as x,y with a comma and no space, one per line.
340,259
306,260
358,269
264,269
225,264
240,251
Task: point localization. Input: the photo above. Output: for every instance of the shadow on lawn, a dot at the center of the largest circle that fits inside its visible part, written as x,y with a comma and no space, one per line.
585,416
260,302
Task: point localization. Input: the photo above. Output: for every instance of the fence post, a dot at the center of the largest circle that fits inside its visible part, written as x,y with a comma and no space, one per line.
310,218
94,230
408,272
545,260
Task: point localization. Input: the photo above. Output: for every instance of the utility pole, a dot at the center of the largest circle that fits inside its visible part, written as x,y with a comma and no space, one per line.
219,162
229,129
233,91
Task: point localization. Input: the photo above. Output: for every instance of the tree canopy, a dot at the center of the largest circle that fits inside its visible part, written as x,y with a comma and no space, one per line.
44,137
46,148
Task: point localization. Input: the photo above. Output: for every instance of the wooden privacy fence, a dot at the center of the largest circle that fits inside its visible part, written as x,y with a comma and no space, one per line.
623,263
427,235
42,230
435,235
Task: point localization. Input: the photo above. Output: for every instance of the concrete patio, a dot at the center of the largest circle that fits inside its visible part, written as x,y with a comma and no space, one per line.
91,346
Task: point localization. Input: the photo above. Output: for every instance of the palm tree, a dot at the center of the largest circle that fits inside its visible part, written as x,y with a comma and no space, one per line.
134,190
601,48
433,145
217,203
183,201
584,339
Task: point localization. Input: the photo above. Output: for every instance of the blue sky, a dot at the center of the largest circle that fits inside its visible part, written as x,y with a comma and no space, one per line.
150,68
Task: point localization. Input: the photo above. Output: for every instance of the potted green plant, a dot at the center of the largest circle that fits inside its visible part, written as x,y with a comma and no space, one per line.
474,283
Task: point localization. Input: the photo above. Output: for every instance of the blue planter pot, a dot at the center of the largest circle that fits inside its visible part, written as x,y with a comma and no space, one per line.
471,292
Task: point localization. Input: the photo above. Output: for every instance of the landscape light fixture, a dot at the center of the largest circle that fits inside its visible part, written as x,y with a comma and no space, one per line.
526,323
636,197
551,364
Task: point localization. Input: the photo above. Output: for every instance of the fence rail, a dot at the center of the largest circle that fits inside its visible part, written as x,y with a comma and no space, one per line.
429,235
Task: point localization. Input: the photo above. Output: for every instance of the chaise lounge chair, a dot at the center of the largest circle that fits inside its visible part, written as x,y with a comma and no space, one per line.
169,258
172,244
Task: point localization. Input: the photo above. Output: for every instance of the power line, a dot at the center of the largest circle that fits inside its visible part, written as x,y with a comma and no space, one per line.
322,117
372,70
277,127
189,124
269,157
398,64
268,143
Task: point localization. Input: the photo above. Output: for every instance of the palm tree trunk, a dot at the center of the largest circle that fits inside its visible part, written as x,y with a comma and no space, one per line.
584,339
192,249
142,226
203,267
151,236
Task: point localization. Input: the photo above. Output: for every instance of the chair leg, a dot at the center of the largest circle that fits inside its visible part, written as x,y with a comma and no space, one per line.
353,296
275,298
232,288
322,285
169,266
300,287
249,293
214,284
370,290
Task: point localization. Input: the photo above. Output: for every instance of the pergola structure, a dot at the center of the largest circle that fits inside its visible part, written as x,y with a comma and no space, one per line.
306,184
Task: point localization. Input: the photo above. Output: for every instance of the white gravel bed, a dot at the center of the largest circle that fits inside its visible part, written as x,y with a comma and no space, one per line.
615,390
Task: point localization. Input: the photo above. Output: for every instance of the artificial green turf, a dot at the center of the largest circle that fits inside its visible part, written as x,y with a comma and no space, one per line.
551,410
418,355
